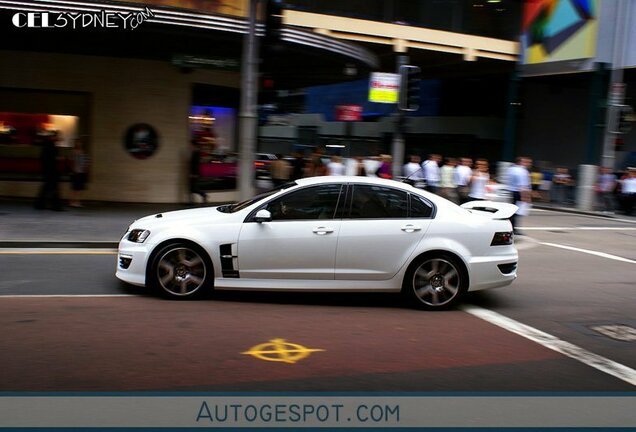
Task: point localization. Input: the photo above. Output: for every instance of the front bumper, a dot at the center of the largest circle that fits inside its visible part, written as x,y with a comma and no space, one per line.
132,259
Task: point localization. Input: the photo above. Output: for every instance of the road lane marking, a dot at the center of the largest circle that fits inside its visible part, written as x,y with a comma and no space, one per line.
51,251
575,352
27,296
591,252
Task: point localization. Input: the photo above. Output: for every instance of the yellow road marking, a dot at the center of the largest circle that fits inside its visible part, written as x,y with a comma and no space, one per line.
58,252
280,351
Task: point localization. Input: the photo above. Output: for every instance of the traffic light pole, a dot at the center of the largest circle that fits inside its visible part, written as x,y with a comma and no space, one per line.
615,93
248,120
397,146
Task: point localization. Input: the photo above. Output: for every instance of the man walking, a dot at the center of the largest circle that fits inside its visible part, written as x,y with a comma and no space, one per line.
431,173
518,179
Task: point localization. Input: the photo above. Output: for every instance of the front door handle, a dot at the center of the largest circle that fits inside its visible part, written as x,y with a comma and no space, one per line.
410,228
322,230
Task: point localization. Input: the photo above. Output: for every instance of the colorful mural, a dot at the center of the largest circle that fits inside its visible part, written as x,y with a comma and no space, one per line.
223,7
556,30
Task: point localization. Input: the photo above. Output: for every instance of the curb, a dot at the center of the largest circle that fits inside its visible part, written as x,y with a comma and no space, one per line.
59,244
574,211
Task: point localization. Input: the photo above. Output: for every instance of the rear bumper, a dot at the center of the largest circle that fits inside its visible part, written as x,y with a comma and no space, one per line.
492,272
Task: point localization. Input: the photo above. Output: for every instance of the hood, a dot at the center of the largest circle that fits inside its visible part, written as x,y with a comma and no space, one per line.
189,216
491,209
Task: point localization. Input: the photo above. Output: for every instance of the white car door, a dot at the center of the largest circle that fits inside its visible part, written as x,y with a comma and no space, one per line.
300,240
378,236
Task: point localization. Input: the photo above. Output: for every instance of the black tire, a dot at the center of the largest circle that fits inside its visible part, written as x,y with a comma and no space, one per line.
181,271
435,282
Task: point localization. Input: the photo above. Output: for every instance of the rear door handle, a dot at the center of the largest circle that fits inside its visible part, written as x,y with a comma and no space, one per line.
322,230
410,228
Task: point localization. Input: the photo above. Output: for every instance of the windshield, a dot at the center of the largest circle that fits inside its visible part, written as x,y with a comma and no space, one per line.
232,208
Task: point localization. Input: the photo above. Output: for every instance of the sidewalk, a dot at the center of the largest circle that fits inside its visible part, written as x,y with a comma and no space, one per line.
98,224
101,224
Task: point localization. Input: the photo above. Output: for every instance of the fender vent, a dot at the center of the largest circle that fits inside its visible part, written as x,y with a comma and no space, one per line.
228,261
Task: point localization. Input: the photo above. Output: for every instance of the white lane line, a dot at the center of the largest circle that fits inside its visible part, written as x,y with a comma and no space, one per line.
584,356
591,252
20,296
551,228
56,251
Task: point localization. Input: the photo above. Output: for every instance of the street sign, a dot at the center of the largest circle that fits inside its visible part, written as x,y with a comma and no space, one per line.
384,87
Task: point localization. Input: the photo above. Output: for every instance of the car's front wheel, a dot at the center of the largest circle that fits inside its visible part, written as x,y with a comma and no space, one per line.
181,271
435,282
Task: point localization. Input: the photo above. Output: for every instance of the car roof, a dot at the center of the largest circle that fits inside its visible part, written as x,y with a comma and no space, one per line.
353,179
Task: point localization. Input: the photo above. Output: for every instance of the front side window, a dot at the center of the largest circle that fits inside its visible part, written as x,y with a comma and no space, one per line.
316,202
377,202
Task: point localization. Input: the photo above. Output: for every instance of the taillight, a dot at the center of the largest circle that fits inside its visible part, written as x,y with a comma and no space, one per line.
502,239
259,164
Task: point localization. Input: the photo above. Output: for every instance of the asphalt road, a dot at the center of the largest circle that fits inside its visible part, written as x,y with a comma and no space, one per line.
69,325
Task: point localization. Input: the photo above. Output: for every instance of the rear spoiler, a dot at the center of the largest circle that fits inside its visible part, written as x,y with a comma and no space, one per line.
492,209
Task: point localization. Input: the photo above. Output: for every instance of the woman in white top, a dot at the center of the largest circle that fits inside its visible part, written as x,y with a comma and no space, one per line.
479,180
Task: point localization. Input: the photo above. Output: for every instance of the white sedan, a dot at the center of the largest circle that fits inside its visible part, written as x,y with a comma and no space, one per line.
326,234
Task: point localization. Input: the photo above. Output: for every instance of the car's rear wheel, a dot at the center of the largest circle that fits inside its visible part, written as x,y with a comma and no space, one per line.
181,271
435,282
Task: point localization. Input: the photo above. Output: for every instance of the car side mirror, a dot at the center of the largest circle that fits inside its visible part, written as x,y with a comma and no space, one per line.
263,216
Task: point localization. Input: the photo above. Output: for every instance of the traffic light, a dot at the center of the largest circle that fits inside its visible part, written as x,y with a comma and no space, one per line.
626,118
273,21
409,88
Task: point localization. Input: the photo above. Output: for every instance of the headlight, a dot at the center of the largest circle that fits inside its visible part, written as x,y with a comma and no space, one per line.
138,235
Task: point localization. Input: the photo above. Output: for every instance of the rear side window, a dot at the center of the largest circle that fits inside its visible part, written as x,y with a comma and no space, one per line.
420,208
377,202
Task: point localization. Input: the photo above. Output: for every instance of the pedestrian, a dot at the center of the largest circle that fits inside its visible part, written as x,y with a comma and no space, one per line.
448,187
194,175
463,173
479,180
279,170
298,166
360,169
605,190
432,173
413,170
335,167
384,170
628,191
316,166
49,191
518,180
536,179
79,172
561,183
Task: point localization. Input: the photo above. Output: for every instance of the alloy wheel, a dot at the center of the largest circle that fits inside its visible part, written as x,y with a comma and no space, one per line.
181,271
436,282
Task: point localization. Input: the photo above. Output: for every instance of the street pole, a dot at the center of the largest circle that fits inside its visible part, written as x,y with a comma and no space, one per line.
248,121
397,146
615,92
